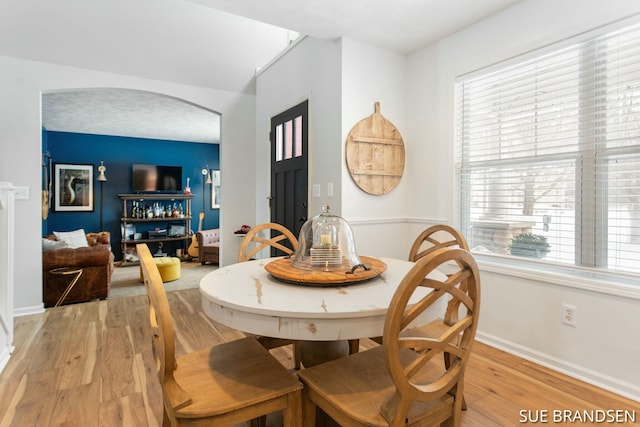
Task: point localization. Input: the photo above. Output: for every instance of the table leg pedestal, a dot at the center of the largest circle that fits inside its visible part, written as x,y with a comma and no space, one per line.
316,352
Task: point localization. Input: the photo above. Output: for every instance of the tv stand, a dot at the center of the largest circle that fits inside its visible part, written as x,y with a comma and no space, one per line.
130,239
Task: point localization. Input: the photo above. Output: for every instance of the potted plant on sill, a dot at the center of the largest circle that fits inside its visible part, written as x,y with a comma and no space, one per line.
529,245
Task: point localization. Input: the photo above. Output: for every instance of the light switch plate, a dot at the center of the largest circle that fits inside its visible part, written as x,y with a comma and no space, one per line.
315,190
21,193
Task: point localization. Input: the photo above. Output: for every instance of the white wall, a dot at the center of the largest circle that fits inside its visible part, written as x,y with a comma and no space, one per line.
342,80
20,150
520,312
7,256
237,174
309,70
370,75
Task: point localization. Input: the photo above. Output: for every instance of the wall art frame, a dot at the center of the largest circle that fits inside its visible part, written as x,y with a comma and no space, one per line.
215,189
73,184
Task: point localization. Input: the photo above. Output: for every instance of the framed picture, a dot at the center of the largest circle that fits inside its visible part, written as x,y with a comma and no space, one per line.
73,186
128,231
215,189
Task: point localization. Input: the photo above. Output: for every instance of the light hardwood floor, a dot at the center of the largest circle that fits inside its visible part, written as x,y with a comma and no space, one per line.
91,365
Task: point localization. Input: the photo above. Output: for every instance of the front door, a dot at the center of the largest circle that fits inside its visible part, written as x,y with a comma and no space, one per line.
289,168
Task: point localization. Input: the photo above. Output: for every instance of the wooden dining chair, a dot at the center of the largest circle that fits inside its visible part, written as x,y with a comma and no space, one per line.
279,237
223,385
404,381
435,237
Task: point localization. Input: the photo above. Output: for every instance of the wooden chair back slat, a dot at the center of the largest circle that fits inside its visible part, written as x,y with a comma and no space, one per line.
253,242
436,237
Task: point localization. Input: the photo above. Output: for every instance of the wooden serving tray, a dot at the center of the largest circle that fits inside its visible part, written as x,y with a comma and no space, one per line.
283,270
375,154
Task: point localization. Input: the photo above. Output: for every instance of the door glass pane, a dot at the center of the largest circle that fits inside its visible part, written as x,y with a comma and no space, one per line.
298,140
278,143
288,139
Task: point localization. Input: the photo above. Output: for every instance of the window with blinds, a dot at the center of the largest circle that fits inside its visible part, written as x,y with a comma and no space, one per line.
548,155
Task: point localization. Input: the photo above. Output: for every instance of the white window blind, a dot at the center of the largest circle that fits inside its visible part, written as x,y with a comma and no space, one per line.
548,155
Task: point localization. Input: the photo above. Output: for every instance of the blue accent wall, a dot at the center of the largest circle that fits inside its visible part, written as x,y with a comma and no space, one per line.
118,154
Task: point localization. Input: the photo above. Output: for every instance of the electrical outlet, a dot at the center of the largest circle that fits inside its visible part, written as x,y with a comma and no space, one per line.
315,190
569,314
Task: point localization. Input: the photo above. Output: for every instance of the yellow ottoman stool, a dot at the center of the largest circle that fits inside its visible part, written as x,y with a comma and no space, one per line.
169,268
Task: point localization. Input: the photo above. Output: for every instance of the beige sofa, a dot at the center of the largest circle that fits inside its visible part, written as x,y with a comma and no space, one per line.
209,246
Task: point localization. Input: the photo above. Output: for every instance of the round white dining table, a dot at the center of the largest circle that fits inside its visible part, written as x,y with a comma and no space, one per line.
244,296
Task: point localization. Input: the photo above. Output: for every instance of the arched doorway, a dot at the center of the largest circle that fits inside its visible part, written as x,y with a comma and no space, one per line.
119,127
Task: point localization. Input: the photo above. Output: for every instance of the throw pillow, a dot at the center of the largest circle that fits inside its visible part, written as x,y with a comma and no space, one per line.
73,239
103,238
50,245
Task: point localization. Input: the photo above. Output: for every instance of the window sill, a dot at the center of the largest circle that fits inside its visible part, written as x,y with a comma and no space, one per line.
573,277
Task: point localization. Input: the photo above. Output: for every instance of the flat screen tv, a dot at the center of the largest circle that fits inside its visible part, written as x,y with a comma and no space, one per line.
154,178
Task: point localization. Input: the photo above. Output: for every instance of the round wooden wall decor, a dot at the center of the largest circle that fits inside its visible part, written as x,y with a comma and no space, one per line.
375,154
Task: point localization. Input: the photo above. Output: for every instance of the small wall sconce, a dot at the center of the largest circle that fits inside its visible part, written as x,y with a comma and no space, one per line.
102,178
102,169
205,171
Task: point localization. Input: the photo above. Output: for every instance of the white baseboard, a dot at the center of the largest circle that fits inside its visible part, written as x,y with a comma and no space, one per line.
5,356
25,311
614,385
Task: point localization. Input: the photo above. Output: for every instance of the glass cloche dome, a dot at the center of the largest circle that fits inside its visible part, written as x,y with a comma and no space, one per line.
326,244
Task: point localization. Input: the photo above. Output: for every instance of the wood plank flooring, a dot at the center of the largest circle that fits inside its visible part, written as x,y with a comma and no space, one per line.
91,365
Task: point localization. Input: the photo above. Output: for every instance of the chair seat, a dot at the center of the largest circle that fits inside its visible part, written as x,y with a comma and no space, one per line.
233,375
360,385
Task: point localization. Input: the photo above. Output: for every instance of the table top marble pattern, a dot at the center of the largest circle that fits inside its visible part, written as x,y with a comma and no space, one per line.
246,297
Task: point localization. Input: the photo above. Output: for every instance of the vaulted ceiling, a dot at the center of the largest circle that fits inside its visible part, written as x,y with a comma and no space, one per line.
217,44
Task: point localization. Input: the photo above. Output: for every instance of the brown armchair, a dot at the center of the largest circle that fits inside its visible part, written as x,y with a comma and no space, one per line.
209,246
96,262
